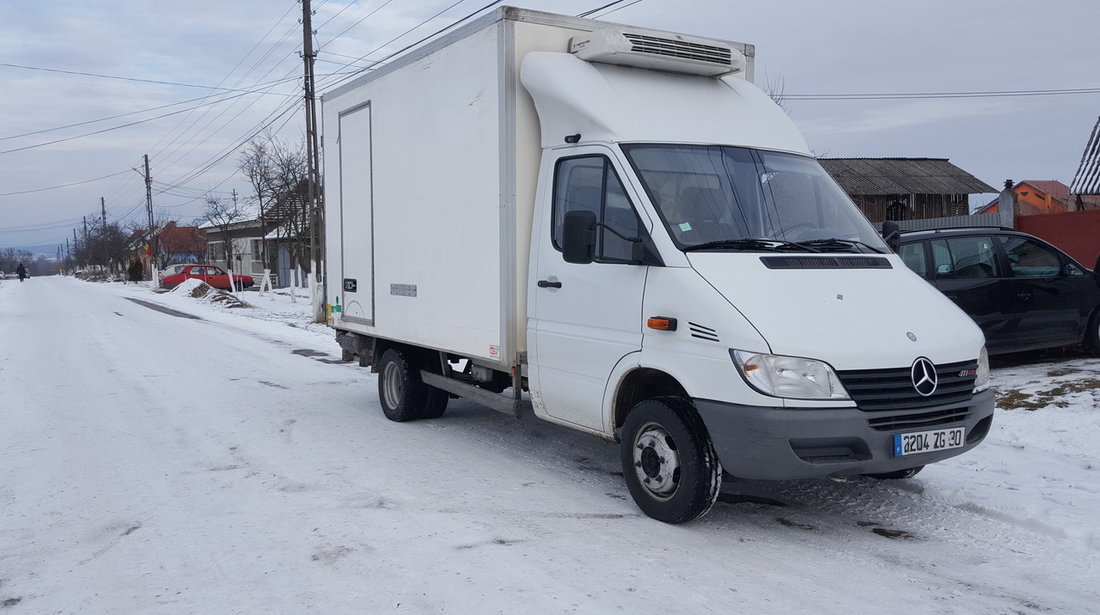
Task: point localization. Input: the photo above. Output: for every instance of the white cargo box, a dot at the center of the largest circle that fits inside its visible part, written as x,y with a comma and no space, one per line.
431,165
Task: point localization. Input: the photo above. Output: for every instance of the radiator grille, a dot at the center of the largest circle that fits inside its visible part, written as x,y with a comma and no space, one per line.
892,389
919,421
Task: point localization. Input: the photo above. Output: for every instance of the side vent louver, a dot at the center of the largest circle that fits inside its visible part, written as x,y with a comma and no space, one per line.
659,51
703,333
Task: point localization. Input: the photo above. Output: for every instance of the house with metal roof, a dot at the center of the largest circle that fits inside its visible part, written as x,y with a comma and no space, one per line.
1085,186
905,188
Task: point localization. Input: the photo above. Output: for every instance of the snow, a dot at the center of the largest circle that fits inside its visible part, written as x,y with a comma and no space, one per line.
230,463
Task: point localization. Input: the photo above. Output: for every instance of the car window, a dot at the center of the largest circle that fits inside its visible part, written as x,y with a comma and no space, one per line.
1030,259
964,258
590,183
913,256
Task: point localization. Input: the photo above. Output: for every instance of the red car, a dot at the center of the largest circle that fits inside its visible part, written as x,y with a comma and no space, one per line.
214,276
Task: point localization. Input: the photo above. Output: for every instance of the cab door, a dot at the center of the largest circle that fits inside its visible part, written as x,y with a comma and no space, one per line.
583,318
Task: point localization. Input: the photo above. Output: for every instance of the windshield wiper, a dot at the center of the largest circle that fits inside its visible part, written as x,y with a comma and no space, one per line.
836,242
753,245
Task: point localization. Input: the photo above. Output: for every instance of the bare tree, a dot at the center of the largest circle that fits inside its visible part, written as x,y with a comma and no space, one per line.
223,215
256,164
291,177
8,260
278,173
776,91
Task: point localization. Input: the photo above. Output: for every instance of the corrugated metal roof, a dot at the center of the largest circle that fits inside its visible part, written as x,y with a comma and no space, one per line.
1087,179
887,176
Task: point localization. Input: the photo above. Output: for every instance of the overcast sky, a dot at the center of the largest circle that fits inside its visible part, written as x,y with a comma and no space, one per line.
92,86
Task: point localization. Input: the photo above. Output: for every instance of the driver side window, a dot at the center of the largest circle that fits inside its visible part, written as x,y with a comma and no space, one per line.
589,183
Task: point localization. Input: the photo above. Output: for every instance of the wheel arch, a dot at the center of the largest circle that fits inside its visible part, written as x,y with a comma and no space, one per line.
640,384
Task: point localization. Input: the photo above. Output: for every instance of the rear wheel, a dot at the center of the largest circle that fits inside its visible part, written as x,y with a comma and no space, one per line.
401,392
669,462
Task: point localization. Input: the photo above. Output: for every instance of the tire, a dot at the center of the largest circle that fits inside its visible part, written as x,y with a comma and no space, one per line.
900,474
669,463
435,403
401,392
1092,336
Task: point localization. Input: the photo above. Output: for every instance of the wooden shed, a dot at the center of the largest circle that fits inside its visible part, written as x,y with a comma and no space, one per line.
905,188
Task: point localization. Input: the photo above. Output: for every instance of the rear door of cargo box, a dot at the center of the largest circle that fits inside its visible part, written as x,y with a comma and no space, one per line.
356,213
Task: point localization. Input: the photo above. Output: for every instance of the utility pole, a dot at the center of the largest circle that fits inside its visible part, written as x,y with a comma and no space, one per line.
103,208
149,207
313,159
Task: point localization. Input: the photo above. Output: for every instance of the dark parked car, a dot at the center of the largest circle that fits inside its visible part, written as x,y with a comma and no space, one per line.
1024,293
214,276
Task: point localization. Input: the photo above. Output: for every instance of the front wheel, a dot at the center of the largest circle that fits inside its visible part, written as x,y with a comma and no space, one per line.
1092,336
669,462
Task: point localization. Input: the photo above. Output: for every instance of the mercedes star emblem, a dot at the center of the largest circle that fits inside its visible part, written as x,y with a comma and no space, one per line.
924,376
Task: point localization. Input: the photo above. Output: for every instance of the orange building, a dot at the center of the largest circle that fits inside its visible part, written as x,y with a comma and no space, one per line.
1034,197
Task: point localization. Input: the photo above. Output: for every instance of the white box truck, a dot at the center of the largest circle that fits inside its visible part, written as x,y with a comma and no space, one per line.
615,228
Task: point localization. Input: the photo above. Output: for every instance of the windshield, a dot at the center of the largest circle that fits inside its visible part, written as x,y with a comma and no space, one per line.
734,198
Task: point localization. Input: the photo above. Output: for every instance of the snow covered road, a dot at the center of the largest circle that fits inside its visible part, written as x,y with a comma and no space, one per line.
229,463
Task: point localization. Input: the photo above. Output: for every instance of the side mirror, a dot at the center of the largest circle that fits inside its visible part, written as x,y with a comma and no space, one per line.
891,233
579,237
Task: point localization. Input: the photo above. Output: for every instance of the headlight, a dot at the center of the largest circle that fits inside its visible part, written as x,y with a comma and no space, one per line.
791,377
981,379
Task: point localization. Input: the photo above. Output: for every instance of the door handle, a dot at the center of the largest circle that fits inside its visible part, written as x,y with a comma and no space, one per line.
1024,294
549,284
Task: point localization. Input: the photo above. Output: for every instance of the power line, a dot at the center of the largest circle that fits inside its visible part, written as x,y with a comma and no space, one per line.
45,226
83,74
113,128
598,9
938,95
375,63
175,154
85,181
338,13
139,112
364,18
609,6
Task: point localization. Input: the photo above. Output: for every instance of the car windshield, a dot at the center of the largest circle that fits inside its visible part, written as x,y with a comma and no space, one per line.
733,198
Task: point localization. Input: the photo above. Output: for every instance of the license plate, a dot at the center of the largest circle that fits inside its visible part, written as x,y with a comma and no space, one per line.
928,441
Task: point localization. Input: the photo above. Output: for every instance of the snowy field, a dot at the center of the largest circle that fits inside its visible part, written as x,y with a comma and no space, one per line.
166,454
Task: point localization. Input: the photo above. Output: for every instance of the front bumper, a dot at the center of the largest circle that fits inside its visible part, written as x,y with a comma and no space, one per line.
790,443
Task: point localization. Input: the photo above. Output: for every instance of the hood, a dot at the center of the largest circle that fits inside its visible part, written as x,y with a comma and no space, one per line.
852,317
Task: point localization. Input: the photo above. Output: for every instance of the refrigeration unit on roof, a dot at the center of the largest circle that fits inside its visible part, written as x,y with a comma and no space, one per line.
658,51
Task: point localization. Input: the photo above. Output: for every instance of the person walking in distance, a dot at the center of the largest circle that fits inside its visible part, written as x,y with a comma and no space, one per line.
21,271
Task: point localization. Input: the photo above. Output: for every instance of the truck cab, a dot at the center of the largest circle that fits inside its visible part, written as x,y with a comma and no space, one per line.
703,292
